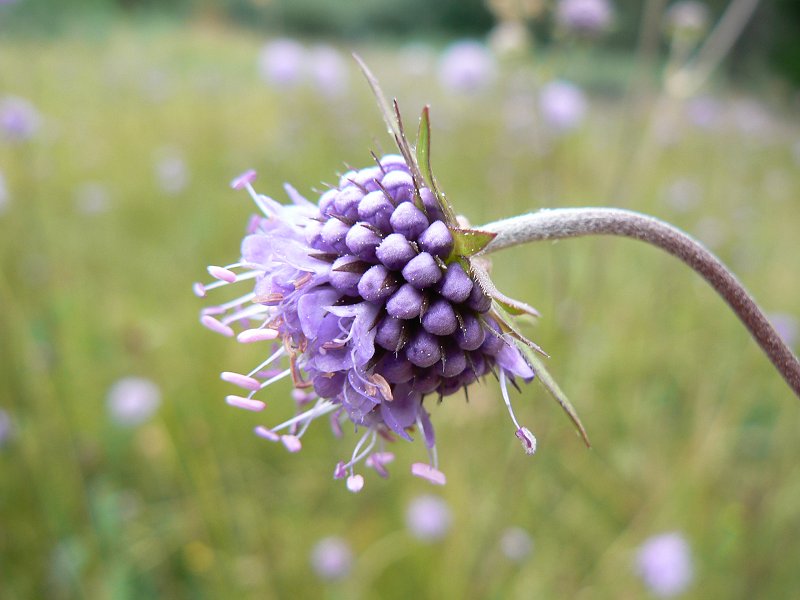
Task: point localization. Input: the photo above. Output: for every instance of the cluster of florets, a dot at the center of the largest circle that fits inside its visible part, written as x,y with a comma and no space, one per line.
372,307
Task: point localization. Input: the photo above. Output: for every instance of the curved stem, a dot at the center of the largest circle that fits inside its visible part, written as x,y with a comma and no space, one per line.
575,222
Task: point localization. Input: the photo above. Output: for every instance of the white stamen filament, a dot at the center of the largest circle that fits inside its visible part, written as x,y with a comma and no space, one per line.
257,199
280,352
277,377
504,389
357,457
322,409
220,308
433,456
246,313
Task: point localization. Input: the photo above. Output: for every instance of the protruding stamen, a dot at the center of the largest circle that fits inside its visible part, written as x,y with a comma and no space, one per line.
216,326
199,289
378,461
260,334
427,472
527,438
243,381
244,179
340,470
506,399
523,433
277,377
292,443
245,403
336,425
355,483
222,273
280,352
267,434
322,408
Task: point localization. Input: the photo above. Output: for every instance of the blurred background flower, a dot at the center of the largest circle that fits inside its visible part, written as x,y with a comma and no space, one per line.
584,17
562,105
428,518
664,563
19,120
466,66
133,400
331,558
121,124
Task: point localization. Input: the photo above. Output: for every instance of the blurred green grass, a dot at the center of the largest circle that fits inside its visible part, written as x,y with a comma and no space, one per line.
691,428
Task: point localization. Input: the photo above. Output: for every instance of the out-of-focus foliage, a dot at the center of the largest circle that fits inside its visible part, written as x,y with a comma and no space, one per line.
772,35
123,474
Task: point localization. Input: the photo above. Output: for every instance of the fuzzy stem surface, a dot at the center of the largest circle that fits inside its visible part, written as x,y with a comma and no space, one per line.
560,223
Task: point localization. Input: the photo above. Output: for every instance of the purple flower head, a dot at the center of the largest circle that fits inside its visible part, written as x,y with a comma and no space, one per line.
428,518
19,120
467,66
584,17
133,400
562,105
376,304
665,565
282,63
331,558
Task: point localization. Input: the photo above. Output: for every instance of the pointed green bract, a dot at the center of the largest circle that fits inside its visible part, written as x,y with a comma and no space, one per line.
383,103
547,380
515,307
423,151
468,242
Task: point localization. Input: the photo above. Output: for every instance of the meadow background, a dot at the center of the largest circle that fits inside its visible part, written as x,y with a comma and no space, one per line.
117,199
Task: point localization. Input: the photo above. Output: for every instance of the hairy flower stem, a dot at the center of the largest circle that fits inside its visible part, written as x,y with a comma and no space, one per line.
561,223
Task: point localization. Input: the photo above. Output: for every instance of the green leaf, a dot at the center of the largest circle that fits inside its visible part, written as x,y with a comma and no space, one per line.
547,380
423,148
383,104
423,152
468,242
515,307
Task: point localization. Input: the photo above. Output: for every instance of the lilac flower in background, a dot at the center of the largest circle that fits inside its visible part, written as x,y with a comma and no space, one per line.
428,518
562,105
584,17
19,120
374,309
133,400
331,558
6,428
664,563
704,112
516,544
787,326
92,198
282,63
329,71
467,66
171,170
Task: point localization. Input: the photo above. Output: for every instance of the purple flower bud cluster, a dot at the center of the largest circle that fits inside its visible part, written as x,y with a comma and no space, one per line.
373,310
